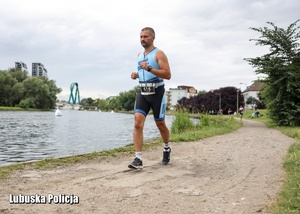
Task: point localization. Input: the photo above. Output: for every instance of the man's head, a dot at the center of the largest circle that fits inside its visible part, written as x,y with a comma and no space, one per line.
147,37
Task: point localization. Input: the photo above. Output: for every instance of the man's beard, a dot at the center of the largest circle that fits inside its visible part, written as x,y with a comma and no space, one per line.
144,44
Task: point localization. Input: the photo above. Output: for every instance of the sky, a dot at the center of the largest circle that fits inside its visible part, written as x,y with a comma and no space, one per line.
95,42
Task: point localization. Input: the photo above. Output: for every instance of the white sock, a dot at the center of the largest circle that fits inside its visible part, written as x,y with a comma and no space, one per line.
138,155
166,145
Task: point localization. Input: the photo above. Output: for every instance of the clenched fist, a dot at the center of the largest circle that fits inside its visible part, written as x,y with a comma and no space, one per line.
134,75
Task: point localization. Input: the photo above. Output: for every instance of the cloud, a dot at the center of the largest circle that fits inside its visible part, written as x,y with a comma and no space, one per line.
95,43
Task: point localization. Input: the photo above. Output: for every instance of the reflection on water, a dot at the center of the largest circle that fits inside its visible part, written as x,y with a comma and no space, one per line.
28,136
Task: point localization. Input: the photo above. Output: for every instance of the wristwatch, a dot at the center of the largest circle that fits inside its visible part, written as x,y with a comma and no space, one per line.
149,68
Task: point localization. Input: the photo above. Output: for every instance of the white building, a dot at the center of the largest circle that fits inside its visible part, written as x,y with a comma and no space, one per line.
38,69
252,91
175,94
21,66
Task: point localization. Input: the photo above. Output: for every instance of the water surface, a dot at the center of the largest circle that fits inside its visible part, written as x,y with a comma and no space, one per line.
28,136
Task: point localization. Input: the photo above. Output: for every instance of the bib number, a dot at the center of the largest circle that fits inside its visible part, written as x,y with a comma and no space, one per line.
147,88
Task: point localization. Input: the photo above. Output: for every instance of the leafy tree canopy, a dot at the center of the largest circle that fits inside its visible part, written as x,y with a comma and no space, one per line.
282,68
17,88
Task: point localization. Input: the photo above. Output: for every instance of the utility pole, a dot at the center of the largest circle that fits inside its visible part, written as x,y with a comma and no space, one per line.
245,96
220,102
237,101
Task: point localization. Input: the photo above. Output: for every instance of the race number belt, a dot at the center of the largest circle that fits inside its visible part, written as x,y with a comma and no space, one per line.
148,88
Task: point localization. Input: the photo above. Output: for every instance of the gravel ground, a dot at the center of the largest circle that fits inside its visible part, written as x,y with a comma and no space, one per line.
240,172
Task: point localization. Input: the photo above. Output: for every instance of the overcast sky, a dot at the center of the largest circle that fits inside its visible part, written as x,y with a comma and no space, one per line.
95,42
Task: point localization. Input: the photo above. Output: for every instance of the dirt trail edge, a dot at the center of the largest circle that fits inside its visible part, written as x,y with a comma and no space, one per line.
240,172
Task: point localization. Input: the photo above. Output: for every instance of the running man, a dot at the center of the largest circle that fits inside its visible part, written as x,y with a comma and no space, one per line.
152,68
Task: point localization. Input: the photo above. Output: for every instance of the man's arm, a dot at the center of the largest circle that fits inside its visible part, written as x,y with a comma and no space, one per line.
164,71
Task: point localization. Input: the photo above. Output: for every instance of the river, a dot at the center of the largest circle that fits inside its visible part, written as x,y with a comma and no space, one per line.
37,135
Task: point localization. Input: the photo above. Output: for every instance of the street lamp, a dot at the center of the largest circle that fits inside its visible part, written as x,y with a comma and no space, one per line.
245,94
219,101
237,101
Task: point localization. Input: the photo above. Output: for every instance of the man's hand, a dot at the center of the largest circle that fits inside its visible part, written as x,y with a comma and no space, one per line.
134,75
144,65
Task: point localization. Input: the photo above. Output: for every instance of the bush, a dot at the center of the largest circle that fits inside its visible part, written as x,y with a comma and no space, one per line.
181,123
27,103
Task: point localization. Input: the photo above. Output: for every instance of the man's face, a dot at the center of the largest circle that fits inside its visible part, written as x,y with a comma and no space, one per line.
146,38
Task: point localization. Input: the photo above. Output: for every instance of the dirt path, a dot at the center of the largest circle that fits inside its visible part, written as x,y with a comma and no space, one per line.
240,172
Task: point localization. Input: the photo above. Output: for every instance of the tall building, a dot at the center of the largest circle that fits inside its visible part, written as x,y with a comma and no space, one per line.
38,69
21,66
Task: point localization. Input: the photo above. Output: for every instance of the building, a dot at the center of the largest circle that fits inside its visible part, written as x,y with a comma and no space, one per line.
191,91
175,94
38,69
253,91
21,66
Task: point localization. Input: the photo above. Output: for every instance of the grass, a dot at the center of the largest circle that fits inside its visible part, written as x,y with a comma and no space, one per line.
214,125
289,197
7,108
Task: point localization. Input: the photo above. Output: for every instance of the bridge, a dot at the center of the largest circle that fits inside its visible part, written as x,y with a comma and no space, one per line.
74,97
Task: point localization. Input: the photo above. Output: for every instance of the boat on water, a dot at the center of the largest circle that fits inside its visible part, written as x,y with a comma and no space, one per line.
58,112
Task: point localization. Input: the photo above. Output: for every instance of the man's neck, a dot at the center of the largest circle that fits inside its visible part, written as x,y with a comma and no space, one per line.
149,49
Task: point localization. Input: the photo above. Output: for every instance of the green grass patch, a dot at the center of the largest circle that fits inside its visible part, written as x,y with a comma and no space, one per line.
289,197
183,129
8,108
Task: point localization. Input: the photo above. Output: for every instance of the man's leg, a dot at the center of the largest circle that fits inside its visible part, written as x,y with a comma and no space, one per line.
165,135
139,121
164,131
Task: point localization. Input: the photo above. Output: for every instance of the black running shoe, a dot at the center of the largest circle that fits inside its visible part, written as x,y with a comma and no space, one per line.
166,156
136,164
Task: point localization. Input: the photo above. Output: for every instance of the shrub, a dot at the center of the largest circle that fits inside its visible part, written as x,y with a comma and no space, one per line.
181,123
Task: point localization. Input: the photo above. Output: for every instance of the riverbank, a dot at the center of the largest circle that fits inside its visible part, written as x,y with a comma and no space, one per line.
7,108
239,172
217,126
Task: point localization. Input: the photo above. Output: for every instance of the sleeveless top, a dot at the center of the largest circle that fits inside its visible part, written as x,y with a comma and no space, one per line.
144,75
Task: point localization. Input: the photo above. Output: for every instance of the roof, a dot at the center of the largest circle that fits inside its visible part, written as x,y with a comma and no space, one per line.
256,86
189,89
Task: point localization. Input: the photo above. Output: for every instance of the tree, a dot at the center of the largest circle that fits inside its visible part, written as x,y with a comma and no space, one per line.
127,99
16,94
42,91
53,91
282,67
102,104
210,101
6,84
16,88
18,74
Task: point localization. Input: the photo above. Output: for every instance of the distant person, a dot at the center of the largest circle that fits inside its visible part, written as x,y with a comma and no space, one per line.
220,112
152,68
229,111
241,112
256,114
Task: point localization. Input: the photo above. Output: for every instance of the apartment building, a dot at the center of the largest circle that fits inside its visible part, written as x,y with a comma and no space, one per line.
38,69
21,66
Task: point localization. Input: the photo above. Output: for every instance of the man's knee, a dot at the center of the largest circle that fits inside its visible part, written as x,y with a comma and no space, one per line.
161,125
139,121
138,125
